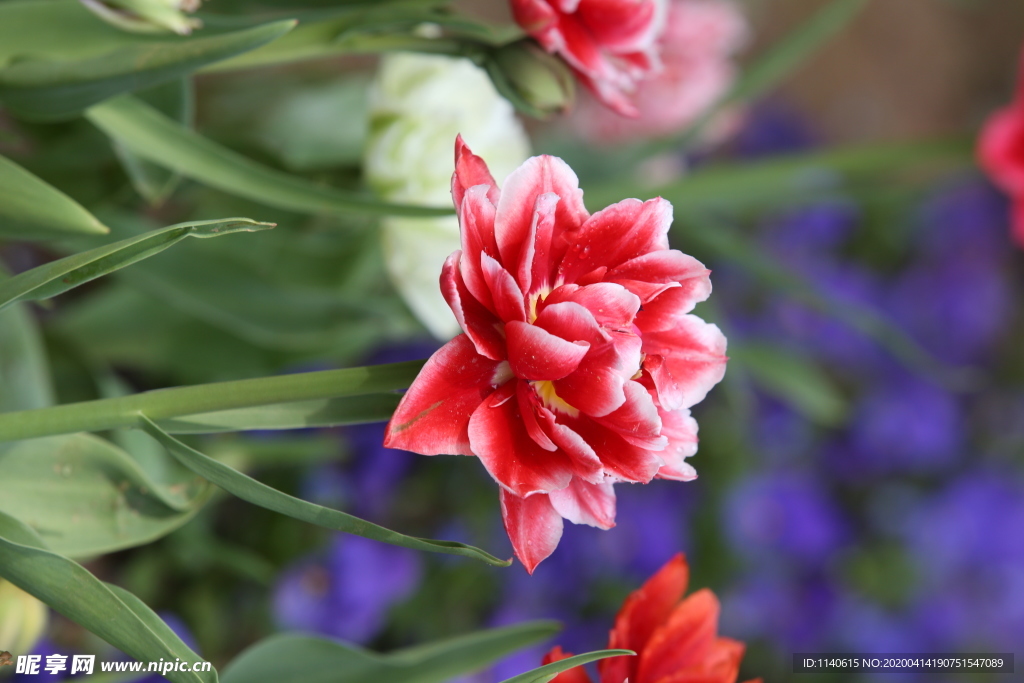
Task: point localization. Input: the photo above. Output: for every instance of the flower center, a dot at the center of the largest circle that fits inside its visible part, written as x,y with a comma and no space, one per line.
546,391
536,299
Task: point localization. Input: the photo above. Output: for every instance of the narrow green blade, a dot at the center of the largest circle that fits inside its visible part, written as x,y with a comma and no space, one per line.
31,208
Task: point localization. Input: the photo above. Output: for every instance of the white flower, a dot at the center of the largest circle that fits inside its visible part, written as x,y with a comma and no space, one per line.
419,104
22,619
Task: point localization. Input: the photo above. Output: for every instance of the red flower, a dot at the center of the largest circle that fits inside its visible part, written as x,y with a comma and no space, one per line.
675,640
580,357
610,44
1001,154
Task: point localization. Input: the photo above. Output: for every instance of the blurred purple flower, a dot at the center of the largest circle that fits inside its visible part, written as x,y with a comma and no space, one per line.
965,219
906,425
772,128
801,236
795,614
783,513
347,593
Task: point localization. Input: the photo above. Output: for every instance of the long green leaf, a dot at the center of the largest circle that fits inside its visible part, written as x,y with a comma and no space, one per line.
163,141
794,379
162,404
72,591
25,382
302,659
31,208
84,496
547,672
57,59
331,412
248,489
60,276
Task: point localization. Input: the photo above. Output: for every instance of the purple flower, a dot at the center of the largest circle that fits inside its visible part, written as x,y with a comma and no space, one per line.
906,425
965,219
773,128
783,513
347,593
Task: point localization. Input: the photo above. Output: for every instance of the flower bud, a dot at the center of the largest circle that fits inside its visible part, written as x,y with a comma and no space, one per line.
22,619
147,16
532,79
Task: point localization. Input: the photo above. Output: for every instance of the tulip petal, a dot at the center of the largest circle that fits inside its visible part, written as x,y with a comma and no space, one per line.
536,354
583,503
637,420
577,674
616,234
621,459
529,406
684,641
498,436
585,463
612,305
535,266
479,324
433,416
685,361
533,526
623,26
515,214
476,223
504,292
643,612
470,170
681,430
649,275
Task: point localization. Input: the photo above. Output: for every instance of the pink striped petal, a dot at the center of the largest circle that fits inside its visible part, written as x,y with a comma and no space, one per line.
529,407
583,503
498,436
433,416
597,386
615,235
505,294
512,224
685,361
622,460
479,324
681,430
536,354
637,420
476,223
651,274
533,526
611,305
535,267
470,170
585,463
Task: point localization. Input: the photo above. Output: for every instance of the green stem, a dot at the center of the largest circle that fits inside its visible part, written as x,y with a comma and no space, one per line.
124,411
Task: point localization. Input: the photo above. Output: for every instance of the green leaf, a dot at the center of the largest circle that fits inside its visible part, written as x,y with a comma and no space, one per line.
31,208
60,276
302,659
546,673
72,591
250,490
332,412
161,404
163,141
794,379
25,381
57,59
84,496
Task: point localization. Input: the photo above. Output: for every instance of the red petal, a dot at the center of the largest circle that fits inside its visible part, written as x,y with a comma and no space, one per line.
644,611
534,16
505,294
616,234
685,641
480,325
621,459
498,436
577,674
583,503
536,354
533,526
585,463
612,305
535,267
681,430
622,25
470,171
476,223
637,420
516,207
650,274
433,416
529,406
685,361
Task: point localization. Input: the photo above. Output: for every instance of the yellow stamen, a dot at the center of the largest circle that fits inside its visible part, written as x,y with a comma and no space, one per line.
535,299
546,391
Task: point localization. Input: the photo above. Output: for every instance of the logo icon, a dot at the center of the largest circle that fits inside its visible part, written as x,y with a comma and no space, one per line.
6,659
